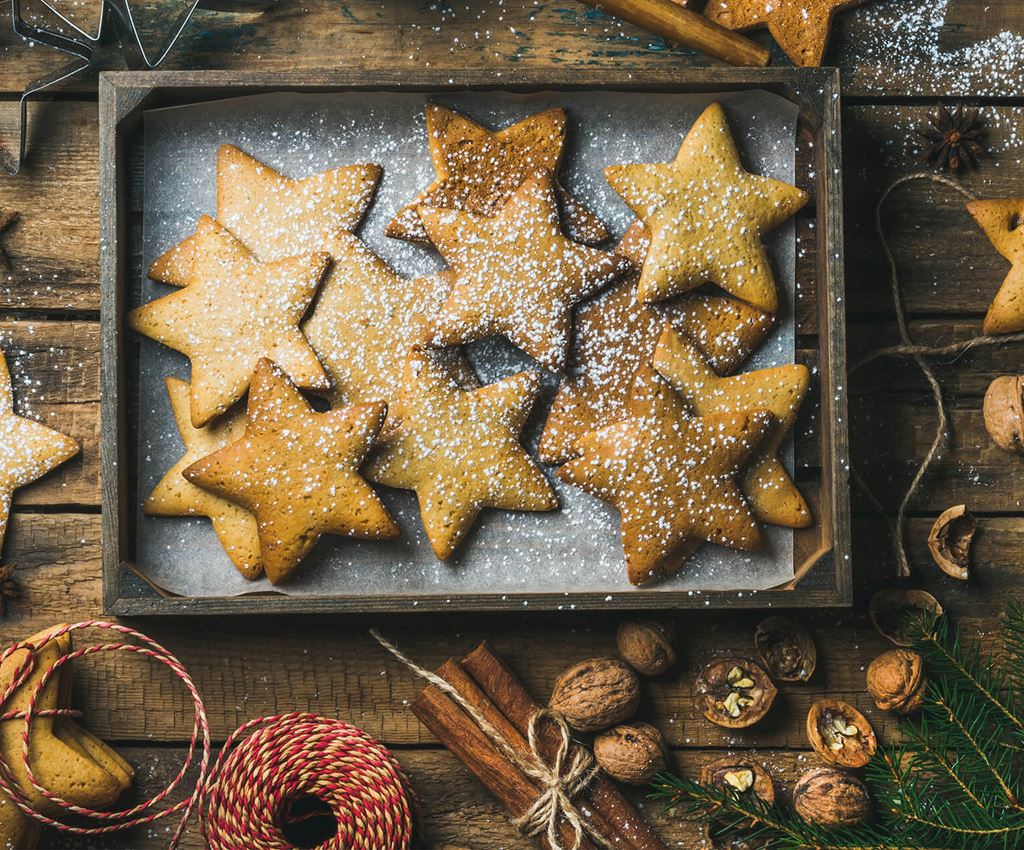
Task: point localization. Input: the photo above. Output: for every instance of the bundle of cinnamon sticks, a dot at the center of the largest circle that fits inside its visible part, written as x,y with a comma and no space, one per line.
486,682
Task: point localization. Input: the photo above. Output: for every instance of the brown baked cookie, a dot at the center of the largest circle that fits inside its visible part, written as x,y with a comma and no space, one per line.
365,320
298,472
615,335
478,170
801,28
28,449
516,274
672,479
1003,223
274,216
175,496
706,216
459,450
774,498
234,311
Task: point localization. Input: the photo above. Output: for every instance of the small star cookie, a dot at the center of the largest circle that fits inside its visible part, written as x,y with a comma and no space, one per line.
28,449
706,217
298,472
516,274
274,216
773,496
615,335
234,311
1003,223
175,496
673,480
478,170
800,27
459,450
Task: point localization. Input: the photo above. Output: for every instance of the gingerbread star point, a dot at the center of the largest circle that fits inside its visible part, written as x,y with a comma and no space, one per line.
1002,220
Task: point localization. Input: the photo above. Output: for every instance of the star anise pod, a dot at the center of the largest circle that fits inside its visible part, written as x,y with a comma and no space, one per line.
952,139
9,588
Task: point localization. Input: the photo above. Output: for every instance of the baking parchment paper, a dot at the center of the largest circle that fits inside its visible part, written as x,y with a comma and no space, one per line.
575,549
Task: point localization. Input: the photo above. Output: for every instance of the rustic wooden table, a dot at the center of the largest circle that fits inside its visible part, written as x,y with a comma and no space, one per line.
898,62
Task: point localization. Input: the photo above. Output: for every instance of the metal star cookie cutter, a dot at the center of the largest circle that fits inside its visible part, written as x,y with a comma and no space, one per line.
83,46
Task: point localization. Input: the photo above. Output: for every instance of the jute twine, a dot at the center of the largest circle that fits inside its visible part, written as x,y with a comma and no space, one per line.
560,780
264,766
907,347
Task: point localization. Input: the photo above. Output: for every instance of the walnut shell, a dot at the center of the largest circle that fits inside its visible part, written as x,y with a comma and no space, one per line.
950,541
734,774
735,692
1004,413
840,734
786,648
647,645
896,680
897,613
831,798
632,753
596,694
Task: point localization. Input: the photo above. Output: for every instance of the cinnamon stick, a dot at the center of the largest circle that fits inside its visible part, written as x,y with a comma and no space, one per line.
504,689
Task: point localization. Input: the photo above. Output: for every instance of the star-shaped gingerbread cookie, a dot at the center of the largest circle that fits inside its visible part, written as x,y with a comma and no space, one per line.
780,390
459,450
274,216
800,27
516,274
479,169
1003,223
298,472
706,217
615,335
28,449
234,311
673,480
174,495
365,320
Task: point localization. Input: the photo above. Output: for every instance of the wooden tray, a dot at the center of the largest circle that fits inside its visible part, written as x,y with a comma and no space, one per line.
821,553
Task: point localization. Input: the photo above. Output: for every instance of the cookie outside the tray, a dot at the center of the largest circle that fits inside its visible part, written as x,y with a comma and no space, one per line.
780,390
459,450
234,311
174,495
706,217
516,274
298,472
1003,223
274,216
479,169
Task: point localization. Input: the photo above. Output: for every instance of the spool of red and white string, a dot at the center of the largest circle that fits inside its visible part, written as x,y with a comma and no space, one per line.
262,784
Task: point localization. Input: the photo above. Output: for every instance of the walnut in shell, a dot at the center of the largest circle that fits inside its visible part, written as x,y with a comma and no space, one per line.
735,692
1004,413
647,645
738,776
950,541
896,680
631,753
786,648
900,614
596,694
831,798
840,734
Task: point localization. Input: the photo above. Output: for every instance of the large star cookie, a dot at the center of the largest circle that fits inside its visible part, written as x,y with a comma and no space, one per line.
274,216
615,335
800,27
478,170
773,496
672,479
706,216
1003,223
234,311
459,450
365,320
175,496
298,472
516,274
28,449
